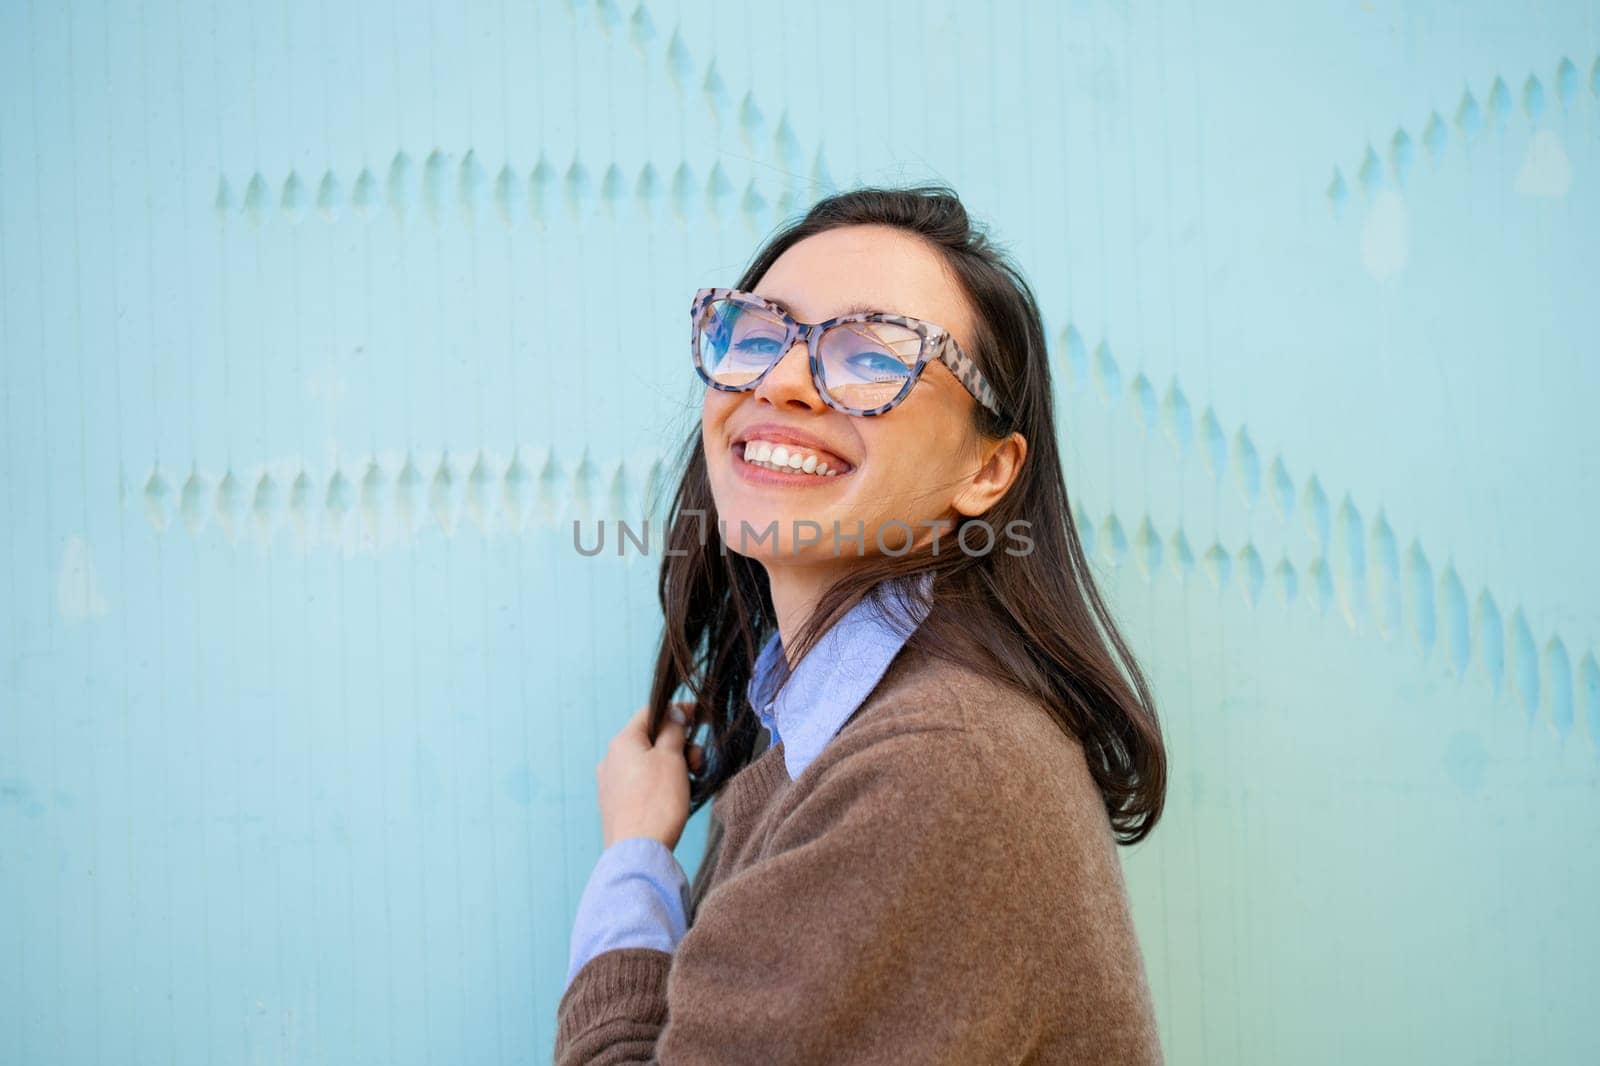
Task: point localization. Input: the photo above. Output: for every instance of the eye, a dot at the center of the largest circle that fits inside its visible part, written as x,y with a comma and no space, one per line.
760,348
876,366
758,345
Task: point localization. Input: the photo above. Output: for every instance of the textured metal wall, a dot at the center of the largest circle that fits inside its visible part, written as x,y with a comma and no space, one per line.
302,683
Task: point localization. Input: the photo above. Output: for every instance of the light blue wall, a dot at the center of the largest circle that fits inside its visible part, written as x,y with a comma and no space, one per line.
302,684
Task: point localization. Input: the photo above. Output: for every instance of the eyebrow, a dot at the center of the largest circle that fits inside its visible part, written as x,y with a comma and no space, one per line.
853,309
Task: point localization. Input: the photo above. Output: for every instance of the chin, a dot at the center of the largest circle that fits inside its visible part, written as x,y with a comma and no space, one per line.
764,501
758,543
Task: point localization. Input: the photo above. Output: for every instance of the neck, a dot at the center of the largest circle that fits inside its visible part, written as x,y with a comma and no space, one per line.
795,592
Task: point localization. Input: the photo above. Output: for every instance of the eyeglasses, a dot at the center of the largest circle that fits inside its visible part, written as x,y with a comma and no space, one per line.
861,364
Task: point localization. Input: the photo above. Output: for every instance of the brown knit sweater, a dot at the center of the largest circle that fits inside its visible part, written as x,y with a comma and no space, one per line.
940,885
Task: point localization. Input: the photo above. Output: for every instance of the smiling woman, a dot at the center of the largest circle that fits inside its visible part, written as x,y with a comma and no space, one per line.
920,760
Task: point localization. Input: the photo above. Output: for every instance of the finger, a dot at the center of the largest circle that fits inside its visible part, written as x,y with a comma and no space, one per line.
673,734
679,718
695,757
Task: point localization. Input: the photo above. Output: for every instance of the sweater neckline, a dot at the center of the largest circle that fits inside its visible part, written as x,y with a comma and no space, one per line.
751,784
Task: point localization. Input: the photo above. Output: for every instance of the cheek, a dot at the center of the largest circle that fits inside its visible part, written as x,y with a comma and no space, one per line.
912,475
715,407
900,469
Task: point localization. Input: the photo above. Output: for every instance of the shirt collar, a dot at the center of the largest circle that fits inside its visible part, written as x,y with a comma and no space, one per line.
832,680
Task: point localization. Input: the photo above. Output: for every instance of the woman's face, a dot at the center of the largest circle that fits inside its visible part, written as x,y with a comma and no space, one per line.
919,464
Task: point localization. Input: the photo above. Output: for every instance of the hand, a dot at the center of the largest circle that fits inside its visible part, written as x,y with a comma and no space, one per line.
644,787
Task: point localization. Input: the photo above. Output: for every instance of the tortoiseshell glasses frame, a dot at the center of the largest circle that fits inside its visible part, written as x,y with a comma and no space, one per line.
937,343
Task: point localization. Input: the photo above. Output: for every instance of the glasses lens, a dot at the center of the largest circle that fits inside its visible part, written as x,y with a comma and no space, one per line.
736,342
866,364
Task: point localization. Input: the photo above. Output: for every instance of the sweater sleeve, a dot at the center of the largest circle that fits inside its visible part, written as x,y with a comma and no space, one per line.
637,896
902,910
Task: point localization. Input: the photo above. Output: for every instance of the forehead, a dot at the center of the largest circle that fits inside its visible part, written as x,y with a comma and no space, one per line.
872,268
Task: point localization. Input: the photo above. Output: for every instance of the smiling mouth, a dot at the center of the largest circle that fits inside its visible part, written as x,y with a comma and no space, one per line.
794,459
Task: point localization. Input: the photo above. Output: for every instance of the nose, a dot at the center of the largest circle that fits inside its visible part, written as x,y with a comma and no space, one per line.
788,383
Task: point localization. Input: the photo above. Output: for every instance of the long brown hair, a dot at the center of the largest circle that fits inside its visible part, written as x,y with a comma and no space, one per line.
1034,619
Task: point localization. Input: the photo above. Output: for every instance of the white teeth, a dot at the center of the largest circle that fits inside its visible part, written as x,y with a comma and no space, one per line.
787,458
786,468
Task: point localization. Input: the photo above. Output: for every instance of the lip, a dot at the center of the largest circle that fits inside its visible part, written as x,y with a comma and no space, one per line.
778,433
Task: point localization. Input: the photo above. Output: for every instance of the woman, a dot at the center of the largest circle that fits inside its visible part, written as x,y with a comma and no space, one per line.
872,568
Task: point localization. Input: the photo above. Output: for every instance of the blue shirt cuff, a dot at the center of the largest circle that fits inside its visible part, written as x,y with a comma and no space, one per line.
637,897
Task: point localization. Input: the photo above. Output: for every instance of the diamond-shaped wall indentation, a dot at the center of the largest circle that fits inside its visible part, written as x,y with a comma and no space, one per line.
157,500
230,504
1469,116
1566,82
1370,172
364,198
1107,375
1338,192
1533,98
1524,662
192,500
1148,551
293,200
383,499
1388,592
1435,136
1491,639
1314,504
1350,549
1282,489
1400,153
1589,696
1113,541
329,196
1219,566
1432,608
255,198
264,505
1557,685
1213,444
1252,573
1286,580
1321,584
1143,395
1453,617
1469,119
473,191
1419,604
1498,104
1247,465
1183,560
1357,563
1178,419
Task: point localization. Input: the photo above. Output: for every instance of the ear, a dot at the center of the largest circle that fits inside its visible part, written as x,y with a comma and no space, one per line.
1002,461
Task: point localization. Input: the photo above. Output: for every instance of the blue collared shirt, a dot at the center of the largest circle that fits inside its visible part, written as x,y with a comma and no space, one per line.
638,895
